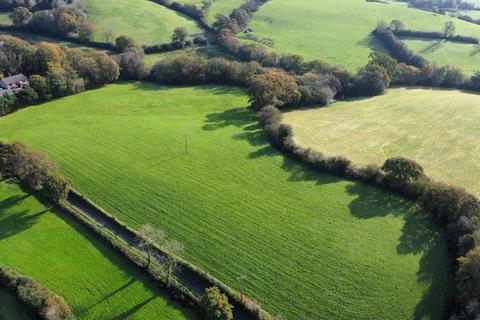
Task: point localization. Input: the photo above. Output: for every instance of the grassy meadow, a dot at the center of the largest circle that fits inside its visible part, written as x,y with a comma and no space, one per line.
437,128
64,256
463,56
145,21
338,31
4,18
193,162
224,7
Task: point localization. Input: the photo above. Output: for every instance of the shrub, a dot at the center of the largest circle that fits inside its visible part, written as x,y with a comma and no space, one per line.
273,88
402,169
55,187
216,305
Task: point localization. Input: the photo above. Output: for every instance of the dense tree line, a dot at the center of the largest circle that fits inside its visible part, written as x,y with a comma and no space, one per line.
38,299
53,71
34,170
271,86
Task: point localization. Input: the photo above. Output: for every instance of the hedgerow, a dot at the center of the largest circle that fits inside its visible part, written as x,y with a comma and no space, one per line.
40,300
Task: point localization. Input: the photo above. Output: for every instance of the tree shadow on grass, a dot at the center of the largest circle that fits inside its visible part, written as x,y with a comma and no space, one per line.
238,117
134,273
12,223
432,47
419,237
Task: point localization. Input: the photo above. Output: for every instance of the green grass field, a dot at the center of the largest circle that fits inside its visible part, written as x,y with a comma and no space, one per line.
438,128
145,21
311,246
463,56
338,31
224,7
4,18
10,307
64,256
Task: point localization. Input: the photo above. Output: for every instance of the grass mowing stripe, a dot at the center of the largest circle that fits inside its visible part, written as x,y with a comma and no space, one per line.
63,255
311,245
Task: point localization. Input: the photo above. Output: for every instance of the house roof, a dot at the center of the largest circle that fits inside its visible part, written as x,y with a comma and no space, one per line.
5,82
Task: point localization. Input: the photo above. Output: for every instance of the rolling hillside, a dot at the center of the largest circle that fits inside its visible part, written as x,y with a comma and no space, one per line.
192,161
145,21
338,31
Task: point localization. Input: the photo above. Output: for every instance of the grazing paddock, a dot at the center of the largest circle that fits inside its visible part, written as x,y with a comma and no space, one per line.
460,55
145,21
64,256
437,128
224,7
339,31
194,162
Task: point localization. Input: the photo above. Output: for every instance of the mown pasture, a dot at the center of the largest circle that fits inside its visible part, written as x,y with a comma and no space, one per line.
224,7
193,162
437,128
64,256
460,55
145,21
339,31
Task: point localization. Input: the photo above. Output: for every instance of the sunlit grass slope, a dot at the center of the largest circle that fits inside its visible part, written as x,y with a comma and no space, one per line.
339,31
193,162
438,128
143,20
64,256
460,55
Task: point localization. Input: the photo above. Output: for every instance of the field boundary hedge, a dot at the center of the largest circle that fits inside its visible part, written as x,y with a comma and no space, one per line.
89,43
39,300
435,35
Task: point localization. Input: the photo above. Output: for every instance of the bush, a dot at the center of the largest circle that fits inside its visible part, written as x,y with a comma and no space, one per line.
402,169
55,187
216,305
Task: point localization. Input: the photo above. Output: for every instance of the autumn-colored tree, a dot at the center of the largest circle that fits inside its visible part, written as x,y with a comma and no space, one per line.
273,88
86,30
67,21
20,17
